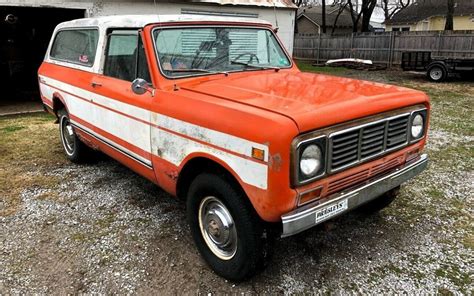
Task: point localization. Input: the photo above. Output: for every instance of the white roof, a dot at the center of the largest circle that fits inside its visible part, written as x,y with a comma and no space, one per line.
139,21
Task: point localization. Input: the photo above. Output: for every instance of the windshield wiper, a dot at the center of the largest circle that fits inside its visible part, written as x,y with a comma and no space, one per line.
255,66
197,71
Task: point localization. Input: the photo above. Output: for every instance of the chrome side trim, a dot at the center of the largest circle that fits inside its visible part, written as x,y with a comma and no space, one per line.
304,217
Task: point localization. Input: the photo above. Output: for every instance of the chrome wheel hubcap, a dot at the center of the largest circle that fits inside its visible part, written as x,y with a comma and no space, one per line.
217,228
67,133
436,73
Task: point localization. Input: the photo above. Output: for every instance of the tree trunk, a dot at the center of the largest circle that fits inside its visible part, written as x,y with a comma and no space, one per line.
368,9
449,16
354,16
341,10
323,11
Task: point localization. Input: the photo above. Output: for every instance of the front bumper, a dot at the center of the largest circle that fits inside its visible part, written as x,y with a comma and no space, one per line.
319,211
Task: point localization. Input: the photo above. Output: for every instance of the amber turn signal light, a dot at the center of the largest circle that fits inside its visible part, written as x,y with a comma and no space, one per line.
258,153
310,196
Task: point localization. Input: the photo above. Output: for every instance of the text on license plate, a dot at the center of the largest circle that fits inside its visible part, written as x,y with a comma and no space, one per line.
331,210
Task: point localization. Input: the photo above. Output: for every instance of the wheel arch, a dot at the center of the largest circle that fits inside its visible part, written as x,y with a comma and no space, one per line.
58,103
203,163
438,63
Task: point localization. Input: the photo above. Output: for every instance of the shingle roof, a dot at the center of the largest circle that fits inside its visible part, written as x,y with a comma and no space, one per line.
315,14
423,9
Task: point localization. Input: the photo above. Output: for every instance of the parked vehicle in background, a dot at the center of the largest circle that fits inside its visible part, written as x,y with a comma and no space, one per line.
438,68
215,112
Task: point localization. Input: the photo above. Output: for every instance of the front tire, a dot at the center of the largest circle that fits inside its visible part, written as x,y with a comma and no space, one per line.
75,150
225,229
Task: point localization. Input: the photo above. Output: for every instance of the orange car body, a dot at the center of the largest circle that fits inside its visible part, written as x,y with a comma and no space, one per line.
246,122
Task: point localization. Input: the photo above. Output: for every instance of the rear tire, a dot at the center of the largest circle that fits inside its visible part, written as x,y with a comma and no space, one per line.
225,229
437,73
381,202
75,150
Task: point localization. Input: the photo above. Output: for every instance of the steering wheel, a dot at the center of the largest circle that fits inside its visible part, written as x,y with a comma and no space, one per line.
250,54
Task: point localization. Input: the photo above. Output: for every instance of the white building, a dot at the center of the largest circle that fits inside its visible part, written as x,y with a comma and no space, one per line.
281,13
26,27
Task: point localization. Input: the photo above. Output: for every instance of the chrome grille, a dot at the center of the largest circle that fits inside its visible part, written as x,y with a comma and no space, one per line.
360,143
397,131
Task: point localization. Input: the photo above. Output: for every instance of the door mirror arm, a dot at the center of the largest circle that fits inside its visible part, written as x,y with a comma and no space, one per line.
141,86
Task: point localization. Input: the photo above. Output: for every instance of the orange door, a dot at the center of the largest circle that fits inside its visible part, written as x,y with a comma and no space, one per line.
122,118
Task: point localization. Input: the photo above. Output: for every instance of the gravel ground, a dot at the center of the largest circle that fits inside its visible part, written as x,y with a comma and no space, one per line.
100,228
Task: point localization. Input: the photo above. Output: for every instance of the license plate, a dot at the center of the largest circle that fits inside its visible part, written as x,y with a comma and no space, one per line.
331,210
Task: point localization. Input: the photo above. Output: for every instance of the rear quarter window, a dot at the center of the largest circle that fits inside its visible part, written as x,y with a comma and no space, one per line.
76,46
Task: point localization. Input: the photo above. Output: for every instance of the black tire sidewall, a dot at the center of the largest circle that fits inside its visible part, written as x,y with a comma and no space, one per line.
249,252
76,155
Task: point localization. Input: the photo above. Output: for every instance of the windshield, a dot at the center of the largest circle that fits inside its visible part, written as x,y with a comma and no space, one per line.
210,50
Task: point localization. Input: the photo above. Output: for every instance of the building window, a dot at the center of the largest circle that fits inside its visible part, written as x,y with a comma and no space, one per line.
405,29
425,25
396,29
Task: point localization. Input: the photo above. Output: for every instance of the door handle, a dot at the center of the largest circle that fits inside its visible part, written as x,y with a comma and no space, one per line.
95,84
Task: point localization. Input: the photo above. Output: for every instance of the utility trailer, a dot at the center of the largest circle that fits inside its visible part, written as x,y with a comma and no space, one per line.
437,68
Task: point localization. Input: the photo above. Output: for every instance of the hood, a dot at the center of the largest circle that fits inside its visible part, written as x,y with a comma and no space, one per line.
311,100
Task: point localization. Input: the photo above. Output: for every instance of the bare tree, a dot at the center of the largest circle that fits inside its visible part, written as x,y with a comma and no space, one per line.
355,15
390,7
367,9
340,10
323,12
360,17
297,2
449,16
303,3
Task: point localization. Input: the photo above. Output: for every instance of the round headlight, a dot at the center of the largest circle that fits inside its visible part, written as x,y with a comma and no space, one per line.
417,126
311,160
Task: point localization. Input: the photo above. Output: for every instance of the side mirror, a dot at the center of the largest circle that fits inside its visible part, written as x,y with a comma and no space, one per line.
141,86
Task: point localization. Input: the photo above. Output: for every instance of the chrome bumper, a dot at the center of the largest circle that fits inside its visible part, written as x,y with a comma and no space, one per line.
305,217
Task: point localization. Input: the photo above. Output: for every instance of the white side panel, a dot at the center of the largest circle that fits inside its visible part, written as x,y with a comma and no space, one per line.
113,144
132,124
216,138
128,109
175,149
130,130
46,91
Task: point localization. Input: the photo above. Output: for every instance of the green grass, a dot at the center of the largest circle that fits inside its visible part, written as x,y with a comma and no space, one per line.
308,67
12,128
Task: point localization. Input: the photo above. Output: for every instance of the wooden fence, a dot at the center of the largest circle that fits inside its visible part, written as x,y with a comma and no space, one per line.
383,47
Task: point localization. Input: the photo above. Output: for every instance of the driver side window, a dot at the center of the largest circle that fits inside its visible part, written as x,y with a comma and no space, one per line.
125,56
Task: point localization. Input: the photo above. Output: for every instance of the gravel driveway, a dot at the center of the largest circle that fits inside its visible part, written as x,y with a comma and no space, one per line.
100,228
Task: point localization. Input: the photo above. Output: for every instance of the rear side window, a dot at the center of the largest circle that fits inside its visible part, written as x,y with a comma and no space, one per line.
76,46
125,57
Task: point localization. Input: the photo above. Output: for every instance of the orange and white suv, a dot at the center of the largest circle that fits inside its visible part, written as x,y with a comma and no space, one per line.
214,111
